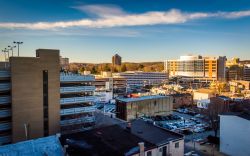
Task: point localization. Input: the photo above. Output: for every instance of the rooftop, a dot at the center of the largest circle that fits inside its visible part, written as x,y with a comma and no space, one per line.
153,134
141,98
243,115
37,147
110,140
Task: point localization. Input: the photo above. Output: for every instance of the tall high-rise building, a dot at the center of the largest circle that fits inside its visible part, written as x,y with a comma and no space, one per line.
37,101
116,60
197,68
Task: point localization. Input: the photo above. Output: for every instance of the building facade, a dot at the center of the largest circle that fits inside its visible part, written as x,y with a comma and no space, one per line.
30,97
64,62
138,78
77,102
197,68
132,108
234,132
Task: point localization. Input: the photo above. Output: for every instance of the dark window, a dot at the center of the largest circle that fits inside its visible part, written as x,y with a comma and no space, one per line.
176,145
149,153
45,104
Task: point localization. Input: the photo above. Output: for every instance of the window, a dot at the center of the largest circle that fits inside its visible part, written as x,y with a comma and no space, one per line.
149,153
176,145
45,103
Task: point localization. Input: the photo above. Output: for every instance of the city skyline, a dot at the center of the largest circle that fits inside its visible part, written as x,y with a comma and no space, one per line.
139,31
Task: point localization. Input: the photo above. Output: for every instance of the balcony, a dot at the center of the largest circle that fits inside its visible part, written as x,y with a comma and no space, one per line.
5,100
4,73
75,78
78,110
74,100
5,126
77,89
4,86
77,121
5,113
5,139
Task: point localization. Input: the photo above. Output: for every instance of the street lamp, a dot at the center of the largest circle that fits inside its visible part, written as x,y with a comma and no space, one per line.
6,51
18,43
11,48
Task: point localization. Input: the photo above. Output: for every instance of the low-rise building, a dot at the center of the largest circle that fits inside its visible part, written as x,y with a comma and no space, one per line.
234,134
246,72
202,94
203,104
132,108
137,138
182,99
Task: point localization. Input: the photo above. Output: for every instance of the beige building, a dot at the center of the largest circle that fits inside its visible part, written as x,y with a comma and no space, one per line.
132,108
30,97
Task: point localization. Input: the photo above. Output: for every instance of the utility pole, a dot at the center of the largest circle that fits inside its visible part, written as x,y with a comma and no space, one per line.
18,43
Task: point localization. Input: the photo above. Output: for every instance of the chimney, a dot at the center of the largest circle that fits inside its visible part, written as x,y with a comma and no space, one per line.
141,148
129,126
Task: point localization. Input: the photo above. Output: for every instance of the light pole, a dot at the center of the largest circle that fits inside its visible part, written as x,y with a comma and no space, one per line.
11,48
6,51
18,43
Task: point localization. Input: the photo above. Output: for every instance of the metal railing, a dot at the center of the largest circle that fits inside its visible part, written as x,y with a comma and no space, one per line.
76,77
5,113
77,89
78,110
5,126
4,86
5,139
5,100
74,100
4,73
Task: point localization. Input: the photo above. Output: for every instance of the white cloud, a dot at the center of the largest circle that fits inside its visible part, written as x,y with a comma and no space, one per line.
112,16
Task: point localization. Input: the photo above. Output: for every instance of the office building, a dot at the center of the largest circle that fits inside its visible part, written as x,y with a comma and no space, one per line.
132,108
234,134
77,102
138,78
116,60
246,72
197,68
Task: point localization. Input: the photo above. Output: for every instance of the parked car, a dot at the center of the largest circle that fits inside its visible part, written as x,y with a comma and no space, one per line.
199,130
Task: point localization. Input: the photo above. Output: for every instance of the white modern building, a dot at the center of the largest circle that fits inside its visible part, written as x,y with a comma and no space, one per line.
234,134
203,104
196,67
203,94
139,78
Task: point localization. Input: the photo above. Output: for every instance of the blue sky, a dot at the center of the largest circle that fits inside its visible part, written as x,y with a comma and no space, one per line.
141,30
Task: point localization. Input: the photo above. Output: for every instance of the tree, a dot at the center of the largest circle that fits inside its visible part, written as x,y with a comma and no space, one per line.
106,68
82,69
123,68
93,70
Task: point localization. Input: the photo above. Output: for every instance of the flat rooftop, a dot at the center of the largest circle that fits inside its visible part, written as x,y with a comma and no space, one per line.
141,98
153,134
244,115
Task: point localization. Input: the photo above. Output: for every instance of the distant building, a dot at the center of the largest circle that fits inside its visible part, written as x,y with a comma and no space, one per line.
246,72
64,62
239,86
137,138
234,134
116,60
132,108
180,100
138,78
234,72
203,94
203,104
197,68
221,104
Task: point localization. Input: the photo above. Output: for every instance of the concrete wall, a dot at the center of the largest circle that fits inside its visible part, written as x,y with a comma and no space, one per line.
234,135
27,94
150,107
